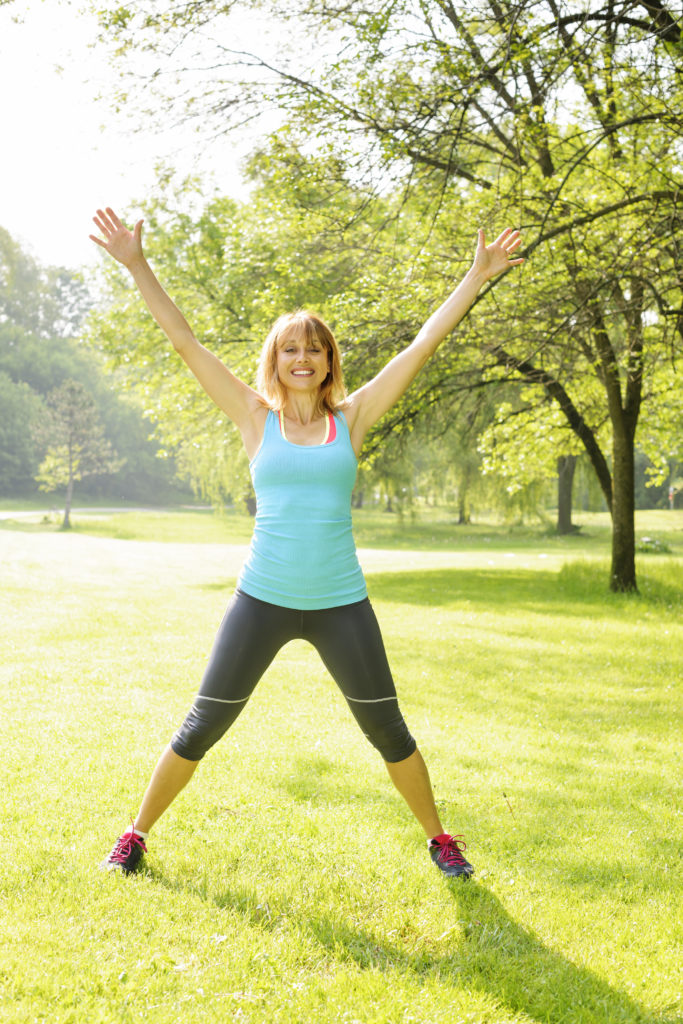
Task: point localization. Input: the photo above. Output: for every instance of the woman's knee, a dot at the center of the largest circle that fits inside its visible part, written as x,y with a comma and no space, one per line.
201,729
390,736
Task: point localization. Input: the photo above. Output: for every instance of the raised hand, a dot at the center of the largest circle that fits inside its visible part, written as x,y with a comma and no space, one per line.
494,258
124,245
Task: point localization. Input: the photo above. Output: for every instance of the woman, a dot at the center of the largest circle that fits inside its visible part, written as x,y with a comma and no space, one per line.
302,578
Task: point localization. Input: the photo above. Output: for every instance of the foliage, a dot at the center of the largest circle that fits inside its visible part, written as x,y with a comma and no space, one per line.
73,441
46,302
653,546
233,268
523,441
19,407
564,120
660,437
37,306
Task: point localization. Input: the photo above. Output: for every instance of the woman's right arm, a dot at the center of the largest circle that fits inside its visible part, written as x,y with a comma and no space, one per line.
237,400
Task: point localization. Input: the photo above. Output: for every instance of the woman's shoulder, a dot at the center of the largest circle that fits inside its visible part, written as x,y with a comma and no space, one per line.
345,411
340,413
253,432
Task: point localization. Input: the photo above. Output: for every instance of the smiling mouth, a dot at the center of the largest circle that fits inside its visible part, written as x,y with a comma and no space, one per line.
302,373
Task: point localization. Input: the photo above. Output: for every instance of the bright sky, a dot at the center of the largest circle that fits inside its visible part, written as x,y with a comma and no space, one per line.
63,152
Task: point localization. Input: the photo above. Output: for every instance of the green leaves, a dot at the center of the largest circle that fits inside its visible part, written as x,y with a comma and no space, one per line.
406,127
73,438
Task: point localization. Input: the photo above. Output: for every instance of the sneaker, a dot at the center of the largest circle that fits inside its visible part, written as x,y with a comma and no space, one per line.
127,853
446,852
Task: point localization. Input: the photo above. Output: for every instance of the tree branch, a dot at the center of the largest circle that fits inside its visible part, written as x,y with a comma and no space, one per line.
604,211
556,391
666,26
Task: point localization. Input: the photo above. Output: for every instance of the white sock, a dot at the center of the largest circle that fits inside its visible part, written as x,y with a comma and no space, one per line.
137,832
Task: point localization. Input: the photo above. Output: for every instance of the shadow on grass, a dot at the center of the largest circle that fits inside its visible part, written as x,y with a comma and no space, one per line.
576,590
496,956
491,954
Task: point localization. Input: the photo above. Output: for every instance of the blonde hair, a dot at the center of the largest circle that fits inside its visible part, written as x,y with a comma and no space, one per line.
300,323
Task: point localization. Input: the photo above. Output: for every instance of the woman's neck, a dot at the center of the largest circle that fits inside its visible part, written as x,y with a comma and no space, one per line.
301,409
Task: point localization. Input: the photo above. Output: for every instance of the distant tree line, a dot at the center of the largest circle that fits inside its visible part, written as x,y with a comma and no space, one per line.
58,405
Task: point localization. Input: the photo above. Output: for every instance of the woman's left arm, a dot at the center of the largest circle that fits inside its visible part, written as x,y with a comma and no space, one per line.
369,403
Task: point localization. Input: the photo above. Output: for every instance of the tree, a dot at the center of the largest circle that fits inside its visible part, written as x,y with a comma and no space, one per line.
529,441
564,117
610,312
74,443
47,302
40,309
19,407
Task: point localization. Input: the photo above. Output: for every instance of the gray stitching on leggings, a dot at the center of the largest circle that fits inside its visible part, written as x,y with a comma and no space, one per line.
358,700
220,700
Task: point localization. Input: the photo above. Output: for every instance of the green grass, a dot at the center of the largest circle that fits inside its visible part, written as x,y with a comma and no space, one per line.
433,529
288,883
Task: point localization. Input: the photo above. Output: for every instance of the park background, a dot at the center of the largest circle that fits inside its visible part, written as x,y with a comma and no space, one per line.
520,508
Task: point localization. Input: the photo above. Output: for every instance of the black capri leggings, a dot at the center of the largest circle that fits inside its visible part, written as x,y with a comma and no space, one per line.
350,644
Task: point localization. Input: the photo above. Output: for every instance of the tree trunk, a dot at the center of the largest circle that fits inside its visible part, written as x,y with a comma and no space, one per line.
623,573
566,464
624,409
463,491
66,524
463,515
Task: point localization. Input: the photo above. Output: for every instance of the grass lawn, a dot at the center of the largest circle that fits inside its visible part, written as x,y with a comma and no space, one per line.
288,883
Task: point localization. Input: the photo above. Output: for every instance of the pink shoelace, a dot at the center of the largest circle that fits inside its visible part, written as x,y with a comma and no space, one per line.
124,844
451,849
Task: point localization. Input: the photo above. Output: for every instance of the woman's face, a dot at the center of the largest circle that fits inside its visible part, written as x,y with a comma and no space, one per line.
301,365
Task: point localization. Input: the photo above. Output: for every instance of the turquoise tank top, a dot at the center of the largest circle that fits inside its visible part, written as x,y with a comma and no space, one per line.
302,551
